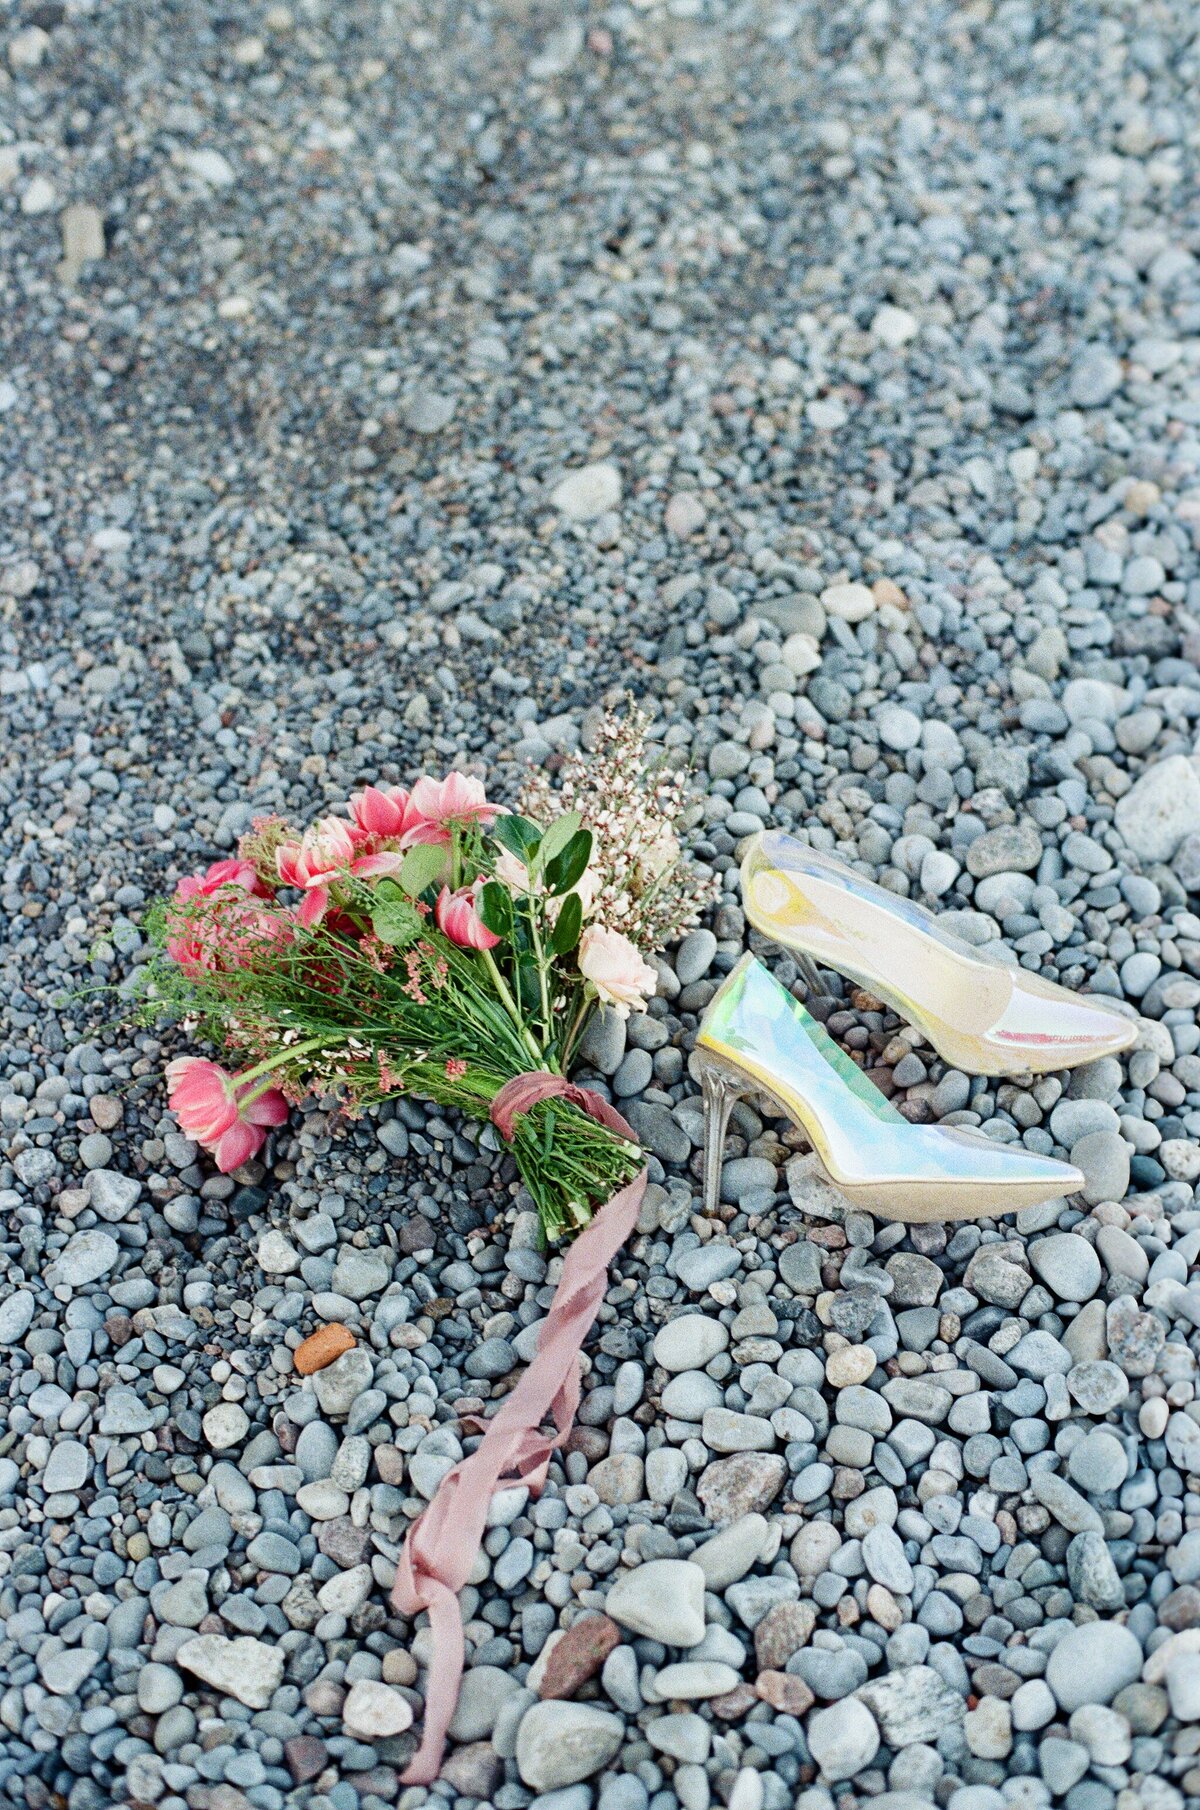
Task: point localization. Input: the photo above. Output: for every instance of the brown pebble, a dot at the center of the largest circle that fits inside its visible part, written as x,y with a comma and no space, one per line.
579,1655
734,1704
399,1667
305,1757
785,1692
783,1630
320,1348
107,1111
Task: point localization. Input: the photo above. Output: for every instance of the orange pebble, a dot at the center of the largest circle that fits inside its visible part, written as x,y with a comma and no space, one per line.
322,1347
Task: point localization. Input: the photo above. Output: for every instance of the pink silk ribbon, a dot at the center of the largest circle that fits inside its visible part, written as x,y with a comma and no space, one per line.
439,1550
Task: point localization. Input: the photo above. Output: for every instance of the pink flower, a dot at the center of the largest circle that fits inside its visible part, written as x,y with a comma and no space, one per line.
458,919
457,799
324,853
384,811
228,1120
234,873
616,970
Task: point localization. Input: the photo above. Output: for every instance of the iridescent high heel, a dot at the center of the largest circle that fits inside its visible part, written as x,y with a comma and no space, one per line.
980,1018
755,1038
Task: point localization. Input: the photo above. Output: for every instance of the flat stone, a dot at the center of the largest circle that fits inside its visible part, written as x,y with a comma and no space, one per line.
1092,1662
482,1699
745,1484
689,1342
913,1705
1066,1264
1160,808
83,1259
374,1711
67,1671
695,1679
559,1744
578,1656
16,1315
225,1425
340,1384
67,1468
851,602
843,1740
112,1195
360,1274
729,1554
1010,848
723,1430
581,496
247,1669
663,1599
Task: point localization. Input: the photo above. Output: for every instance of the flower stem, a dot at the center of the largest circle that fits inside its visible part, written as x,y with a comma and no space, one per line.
510,1005
276,1061
541,964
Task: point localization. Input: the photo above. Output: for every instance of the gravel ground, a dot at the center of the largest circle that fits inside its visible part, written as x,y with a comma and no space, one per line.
383,385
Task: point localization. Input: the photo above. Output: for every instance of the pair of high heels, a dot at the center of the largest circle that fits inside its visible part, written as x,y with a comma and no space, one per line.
757,1038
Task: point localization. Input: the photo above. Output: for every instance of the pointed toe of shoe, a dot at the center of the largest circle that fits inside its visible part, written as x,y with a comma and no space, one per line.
1044,1027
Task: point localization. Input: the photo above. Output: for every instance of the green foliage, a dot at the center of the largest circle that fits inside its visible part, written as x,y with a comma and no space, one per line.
396,921
518,835
423,867
569,926
568,866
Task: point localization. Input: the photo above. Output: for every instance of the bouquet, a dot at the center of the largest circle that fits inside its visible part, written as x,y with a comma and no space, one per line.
430,941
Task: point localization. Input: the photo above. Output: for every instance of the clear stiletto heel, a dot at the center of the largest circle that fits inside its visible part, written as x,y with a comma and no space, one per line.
756,1038
814,986
985,1019
721,1093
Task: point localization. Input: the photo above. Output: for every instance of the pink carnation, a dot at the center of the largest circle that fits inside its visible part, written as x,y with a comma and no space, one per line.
228,1120
458,919
326,852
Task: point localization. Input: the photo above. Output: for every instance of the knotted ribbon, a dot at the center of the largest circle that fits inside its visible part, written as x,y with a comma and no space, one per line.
439,1550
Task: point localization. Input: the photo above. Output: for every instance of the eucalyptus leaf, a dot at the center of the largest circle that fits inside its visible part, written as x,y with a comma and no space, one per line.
559,834
570,924
567,867
423,867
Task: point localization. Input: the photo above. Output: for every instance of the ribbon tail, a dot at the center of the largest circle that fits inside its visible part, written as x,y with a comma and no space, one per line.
445,1676
440,1548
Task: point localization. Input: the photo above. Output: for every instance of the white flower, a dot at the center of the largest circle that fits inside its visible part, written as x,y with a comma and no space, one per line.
616,970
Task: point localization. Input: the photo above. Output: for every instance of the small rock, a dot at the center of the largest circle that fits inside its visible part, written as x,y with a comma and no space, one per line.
374,1711
322,1347
246,1669
583,495
560,1743
663,1599
843,1740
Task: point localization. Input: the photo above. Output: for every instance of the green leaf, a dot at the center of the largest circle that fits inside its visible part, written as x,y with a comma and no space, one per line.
386,890
529,979
559,834
423,867
494,906
569,925
397,922
518,835
567,867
